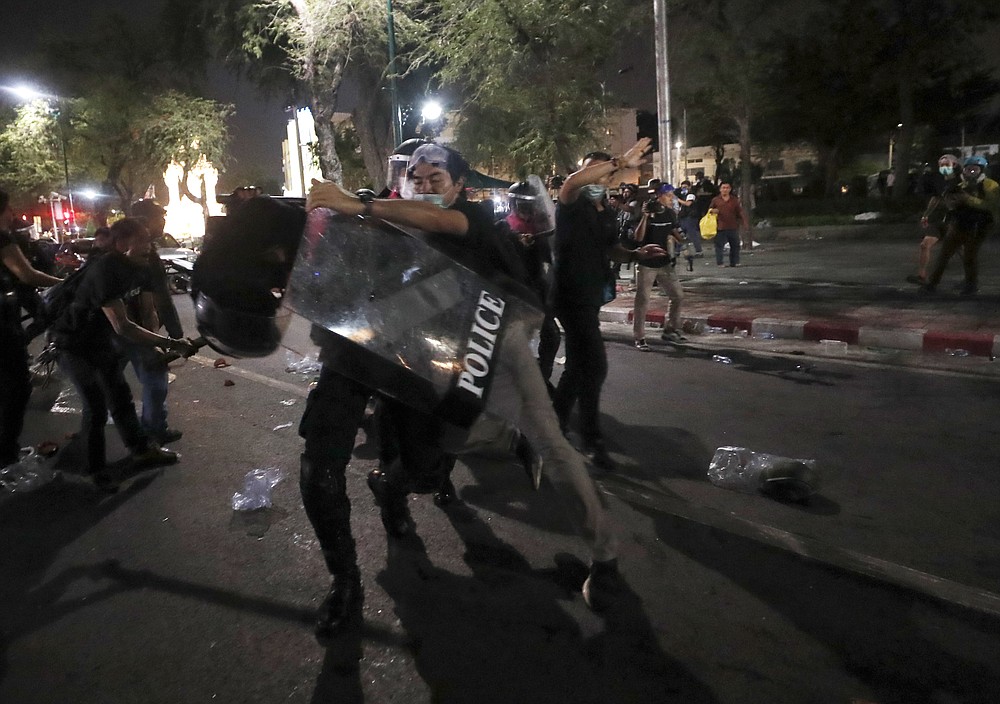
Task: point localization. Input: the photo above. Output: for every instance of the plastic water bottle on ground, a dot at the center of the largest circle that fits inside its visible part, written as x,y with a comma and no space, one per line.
721,359
782,478
27,474
257,486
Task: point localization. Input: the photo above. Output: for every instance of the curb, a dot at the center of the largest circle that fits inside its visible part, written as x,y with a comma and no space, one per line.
920,340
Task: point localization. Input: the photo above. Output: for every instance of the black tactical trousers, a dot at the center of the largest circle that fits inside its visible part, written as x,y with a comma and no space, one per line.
15,389
334,411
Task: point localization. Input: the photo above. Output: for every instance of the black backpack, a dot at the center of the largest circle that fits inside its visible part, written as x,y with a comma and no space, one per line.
57,300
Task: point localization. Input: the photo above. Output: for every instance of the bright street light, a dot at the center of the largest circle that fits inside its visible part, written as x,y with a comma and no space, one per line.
431,110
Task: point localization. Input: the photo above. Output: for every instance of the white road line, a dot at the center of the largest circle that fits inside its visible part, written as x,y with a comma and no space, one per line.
940,588
253,376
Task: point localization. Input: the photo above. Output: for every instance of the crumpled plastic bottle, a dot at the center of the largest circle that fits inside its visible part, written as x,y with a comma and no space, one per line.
257,486
27,474
782,478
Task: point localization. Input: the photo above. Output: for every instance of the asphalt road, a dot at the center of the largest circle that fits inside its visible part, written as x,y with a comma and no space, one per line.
882,589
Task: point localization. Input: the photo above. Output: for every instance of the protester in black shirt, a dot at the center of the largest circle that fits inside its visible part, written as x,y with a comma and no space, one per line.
15,380
586,240
84,336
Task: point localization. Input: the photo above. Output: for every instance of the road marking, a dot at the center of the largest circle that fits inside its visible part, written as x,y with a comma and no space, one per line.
930,585
253,376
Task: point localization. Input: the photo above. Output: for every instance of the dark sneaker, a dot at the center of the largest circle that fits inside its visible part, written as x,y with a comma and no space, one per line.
914,279
105,482
154,456
641,345
600,457
603,586
968,290
927,289
672,336
393,511
530,460
445,495
341,607
167,436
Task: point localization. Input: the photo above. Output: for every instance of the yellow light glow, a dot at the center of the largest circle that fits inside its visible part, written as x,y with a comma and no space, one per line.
185,218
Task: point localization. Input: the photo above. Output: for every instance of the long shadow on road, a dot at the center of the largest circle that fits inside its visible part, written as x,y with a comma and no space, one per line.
905,647
504,635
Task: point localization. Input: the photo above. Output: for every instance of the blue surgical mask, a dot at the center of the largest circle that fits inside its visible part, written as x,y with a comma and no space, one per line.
946,170
435,198
594,192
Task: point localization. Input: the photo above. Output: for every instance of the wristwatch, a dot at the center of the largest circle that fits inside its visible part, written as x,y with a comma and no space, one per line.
367,199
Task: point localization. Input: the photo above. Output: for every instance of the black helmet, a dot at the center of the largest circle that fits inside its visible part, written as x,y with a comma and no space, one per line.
521,190
146,208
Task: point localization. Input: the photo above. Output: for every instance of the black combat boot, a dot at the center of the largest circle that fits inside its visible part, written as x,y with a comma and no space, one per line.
342,605
393,509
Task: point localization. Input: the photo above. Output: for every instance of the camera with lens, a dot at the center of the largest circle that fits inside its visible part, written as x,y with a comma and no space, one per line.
652,206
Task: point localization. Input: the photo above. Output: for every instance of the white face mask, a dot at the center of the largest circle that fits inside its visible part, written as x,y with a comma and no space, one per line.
946,170
594,192
435,198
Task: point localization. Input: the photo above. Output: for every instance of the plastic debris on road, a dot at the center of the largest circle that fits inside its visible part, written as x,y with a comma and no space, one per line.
721,359
833,346
752,472
295,364
229,382
956,352
713,330
257,486
763,336
288,402
282,426
27,474
740,333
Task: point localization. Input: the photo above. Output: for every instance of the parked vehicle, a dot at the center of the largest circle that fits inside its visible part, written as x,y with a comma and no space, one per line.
177,260
71,255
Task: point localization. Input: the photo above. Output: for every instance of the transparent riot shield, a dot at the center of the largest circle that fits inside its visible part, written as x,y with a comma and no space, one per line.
397,315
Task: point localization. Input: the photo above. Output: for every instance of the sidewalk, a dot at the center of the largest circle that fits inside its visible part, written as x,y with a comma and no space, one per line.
835,289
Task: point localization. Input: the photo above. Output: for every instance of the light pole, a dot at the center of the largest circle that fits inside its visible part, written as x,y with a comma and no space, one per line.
662,87
397,120
892,141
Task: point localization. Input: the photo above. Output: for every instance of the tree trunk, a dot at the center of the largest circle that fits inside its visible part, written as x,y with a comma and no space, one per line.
373,123
746,172
323,84
830,165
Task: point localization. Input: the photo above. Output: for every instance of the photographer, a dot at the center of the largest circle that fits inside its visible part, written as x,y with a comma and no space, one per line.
972,206
658,226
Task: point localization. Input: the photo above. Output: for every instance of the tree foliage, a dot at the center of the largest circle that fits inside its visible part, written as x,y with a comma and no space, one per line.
525,72
129,122
306,49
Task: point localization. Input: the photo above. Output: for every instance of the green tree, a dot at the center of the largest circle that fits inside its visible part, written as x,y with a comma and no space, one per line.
728,64
923,43
307,49
525,72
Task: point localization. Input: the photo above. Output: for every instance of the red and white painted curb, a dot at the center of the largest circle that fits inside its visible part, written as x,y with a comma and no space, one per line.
979,344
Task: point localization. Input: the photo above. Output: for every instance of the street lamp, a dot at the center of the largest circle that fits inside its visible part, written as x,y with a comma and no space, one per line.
29,94
431,113
892,141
